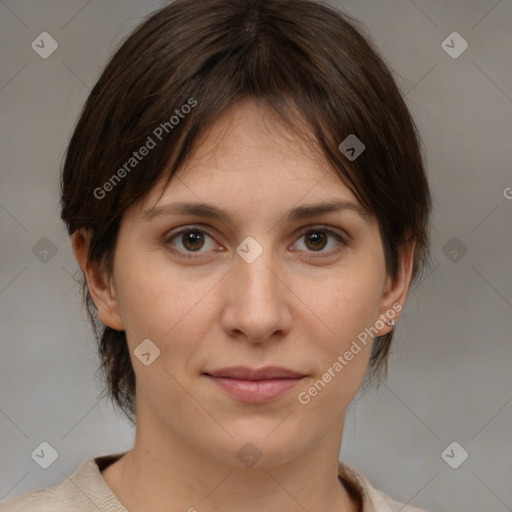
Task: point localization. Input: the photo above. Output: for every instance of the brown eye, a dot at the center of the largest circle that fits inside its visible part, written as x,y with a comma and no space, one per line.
317,239
190,240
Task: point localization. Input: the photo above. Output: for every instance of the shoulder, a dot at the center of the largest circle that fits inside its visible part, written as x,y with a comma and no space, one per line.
56,499
372,499
82,491
385,504
43,500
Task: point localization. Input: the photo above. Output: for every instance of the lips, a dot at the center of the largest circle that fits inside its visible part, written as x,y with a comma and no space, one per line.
255,385
244,373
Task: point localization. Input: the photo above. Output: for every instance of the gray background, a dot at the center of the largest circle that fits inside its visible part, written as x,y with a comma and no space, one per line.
450,378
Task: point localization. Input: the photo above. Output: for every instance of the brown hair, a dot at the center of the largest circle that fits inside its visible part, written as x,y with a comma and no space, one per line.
300,59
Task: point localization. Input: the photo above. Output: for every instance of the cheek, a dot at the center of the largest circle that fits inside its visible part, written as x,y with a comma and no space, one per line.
341,356
143,304
346,309
346,305
160,303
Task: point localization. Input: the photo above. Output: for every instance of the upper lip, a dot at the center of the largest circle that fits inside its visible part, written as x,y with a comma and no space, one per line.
245,373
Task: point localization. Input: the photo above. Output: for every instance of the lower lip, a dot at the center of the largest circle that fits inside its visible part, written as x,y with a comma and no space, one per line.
255,391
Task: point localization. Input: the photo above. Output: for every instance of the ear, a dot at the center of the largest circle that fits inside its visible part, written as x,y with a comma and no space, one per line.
395,290
100,285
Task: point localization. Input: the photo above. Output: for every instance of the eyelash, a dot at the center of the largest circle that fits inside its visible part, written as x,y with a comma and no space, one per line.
310,230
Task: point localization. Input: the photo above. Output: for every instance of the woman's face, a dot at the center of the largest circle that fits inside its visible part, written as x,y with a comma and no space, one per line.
251,289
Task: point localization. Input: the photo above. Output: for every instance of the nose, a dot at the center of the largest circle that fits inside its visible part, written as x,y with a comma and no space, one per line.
257,300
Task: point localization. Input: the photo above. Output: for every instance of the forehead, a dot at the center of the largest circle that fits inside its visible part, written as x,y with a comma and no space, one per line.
249,159
245,135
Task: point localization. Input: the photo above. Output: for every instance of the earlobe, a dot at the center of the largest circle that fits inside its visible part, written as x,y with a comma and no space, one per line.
100,286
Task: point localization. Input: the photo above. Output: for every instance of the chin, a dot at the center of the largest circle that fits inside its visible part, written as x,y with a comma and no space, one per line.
260,446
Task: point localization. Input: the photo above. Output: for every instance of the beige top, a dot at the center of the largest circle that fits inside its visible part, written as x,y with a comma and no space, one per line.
87,491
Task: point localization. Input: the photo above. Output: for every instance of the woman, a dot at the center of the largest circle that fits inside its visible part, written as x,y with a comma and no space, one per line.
246,198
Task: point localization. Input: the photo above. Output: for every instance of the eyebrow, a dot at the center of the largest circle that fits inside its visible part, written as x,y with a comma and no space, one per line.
214,212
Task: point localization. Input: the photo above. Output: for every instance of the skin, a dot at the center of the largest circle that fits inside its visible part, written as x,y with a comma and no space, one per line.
288,308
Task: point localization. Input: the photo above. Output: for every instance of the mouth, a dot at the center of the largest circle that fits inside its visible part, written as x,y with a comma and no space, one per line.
255,385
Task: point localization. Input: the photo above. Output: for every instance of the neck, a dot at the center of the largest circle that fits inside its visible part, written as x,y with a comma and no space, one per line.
162,472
